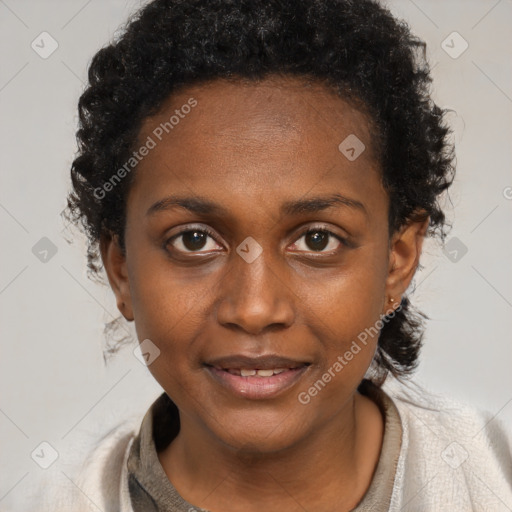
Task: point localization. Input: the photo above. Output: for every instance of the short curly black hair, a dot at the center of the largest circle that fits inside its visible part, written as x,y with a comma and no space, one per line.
356,47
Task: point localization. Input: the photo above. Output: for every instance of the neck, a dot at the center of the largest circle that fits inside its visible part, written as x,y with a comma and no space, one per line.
332,465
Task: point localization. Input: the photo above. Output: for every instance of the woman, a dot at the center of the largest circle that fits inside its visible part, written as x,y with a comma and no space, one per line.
257,179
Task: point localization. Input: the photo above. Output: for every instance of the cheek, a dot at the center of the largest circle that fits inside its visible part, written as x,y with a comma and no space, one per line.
352,295
168,304
170,311
345,319
344,312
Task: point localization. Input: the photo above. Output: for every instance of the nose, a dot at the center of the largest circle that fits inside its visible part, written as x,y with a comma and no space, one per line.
255,296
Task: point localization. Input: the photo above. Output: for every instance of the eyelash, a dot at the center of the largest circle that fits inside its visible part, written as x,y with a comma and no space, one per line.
211,234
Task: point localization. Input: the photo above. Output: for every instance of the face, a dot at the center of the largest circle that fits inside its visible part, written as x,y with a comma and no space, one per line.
257,252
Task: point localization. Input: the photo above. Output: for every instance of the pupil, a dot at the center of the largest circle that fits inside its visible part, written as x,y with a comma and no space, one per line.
319,240
194,240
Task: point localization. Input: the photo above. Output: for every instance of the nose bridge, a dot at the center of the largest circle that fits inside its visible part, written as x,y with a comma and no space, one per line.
254,297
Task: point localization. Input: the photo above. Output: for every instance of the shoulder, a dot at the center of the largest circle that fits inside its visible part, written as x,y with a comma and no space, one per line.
98,481
101,477
452,455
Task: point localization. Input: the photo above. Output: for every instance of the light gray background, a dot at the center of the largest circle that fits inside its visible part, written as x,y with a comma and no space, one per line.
55,386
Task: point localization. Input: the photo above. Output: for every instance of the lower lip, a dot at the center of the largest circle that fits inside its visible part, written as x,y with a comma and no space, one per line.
257,388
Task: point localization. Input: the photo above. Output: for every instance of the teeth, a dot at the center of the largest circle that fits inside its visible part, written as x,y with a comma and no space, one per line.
265,373
260,373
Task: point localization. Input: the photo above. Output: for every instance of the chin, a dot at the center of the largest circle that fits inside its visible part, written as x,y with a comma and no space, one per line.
254,433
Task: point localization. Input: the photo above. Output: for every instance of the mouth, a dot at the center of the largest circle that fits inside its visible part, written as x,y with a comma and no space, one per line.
257,378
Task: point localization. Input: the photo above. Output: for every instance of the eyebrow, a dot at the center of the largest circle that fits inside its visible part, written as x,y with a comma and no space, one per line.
316,204
203,206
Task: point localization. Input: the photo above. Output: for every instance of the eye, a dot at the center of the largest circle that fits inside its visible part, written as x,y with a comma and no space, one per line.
192,240
317,240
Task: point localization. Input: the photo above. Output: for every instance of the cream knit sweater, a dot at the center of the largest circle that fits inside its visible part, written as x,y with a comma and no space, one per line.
453,458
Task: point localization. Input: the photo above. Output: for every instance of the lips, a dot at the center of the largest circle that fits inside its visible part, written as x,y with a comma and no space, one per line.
256,377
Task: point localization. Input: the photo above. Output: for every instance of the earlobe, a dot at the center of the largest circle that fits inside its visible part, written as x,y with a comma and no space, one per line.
405,252
114,262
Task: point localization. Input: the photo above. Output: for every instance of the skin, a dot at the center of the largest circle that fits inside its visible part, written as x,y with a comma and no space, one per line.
250,147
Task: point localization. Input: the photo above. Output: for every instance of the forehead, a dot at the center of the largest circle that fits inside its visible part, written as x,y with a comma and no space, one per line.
247,138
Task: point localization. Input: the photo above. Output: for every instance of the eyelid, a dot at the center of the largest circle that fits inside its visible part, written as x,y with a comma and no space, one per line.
194,227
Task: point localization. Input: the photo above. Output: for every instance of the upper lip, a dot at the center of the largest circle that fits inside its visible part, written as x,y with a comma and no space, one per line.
263,362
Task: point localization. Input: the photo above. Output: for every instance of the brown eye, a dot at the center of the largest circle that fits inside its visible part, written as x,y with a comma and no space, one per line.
318,240
193,240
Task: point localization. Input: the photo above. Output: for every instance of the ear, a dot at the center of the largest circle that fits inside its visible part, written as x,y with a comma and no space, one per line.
114,261
405,251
